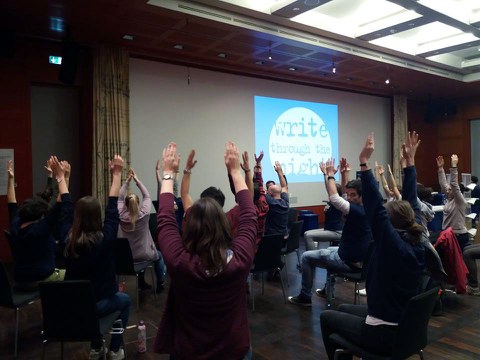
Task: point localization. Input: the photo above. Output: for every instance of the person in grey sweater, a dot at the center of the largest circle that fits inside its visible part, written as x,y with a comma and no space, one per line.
456,205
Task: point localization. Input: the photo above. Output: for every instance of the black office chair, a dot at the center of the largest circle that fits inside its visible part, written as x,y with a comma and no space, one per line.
356,277
292,216
268,258
152,224
411,337
125,266
292,244
69,314
12,299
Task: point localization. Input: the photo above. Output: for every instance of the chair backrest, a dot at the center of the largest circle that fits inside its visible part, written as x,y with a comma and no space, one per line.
293,241
434,264
123,257
69,311
268,254
292,216
6,293
366,260
6,253
412,329
152,224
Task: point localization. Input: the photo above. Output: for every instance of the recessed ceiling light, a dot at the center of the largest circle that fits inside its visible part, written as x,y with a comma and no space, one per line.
127,37
222,55
178,47
292,68
296,9
387,81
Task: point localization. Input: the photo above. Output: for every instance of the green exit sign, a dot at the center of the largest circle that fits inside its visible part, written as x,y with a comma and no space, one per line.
57,60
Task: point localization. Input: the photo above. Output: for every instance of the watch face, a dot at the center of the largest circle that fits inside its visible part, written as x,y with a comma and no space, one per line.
167,177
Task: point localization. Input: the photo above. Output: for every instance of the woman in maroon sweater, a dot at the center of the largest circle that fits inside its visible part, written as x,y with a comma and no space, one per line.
206,311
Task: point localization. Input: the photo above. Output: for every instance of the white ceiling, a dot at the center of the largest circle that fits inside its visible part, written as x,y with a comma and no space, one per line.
446,32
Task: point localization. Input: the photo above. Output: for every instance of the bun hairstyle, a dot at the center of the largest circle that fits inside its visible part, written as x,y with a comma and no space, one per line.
131,202
402,217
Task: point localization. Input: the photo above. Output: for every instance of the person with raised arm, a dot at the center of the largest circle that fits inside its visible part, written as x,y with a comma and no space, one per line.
206,313
31,227
279,204
134,225
356,234
456,205
396,265
89,256
259,197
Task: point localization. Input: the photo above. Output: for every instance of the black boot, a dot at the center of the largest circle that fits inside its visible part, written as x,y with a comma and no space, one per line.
142,284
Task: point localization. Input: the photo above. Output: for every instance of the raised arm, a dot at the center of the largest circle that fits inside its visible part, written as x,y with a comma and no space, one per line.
457,193
409,191
116,166
248,175
146,199
185,186
393,184
58,168
442,179
257,170
386,188
11,198
281,177
336,200
344,173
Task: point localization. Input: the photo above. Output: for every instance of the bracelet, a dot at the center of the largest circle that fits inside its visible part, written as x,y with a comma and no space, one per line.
247,171
363,164
331,178
187,171
59,180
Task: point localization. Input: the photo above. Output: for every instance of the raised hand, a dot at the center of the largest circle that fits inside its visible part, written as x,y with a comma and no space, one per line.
381,169
68,168
278,167
344,165
390,170
440,161
245,165
232,159
58,168
258,160
330,167
323,167
10,169
403,161
48,167
367,150
190,161
171,159
409,147
454,160
116,165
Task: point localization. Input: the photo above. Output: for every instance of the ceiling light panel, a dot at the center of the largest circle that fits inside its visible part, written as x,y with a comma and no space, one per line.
461,10
262,6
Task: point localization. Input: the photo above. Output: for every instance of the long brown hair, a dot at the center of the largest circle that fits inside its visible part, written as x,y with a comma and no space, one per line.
402,217
131,202
207,234
87,225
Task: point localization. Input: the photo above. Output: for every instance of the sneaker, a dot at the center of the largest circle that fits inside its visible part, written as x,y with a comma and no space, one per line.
299,300
362,292
116,355
96,354
323,293
473,290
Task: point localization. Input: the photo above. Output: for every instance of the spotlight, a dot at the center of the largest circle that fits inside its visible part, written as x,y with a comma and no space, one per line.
387,81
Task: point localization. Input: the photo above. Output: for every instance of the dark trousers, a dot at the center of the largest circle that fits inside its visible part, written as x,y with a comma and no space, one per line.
470,255
349,321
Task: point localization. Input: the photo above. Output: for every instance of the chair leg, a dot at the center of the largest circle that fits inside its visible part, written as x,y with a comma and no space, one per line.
298,258
17,319
252,297
61,350
420,352
138,292
329,289
356,295
44,345
285,267
340,352
283,288
263,283
154,284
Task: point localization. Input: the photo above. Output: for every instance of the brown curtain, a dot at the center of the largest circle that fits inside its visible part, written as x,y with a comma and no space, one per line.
400,128
110,115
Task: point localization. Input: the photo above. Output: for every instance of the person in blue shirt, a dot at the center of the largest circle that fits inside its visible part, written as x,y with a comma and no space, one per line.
396,266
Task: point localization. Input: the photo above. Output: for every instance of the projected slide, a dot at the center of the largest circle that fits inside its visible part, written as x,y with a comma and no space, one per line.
298,134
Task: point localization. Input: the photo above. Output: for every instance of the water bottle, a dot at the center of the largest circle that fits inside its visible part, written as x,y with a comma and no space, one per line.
142,337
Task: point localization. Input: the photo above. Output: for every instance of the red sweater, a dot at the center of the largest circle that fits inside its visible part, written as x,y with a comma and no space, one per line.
205,317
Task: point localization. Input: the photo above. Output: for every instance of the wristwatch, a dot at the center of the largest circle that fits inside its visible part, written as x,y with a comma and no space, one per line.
167,177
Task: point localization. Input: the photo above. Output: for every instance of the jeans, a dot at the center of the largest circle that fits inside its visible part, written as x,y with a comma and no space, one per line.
159,267
118,302
349,322
470,255
320,235
325,258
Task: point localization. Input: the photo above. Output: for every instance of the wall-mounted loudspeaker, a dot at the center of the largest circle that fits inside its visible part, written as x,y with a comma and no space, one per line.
439,109
68,69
